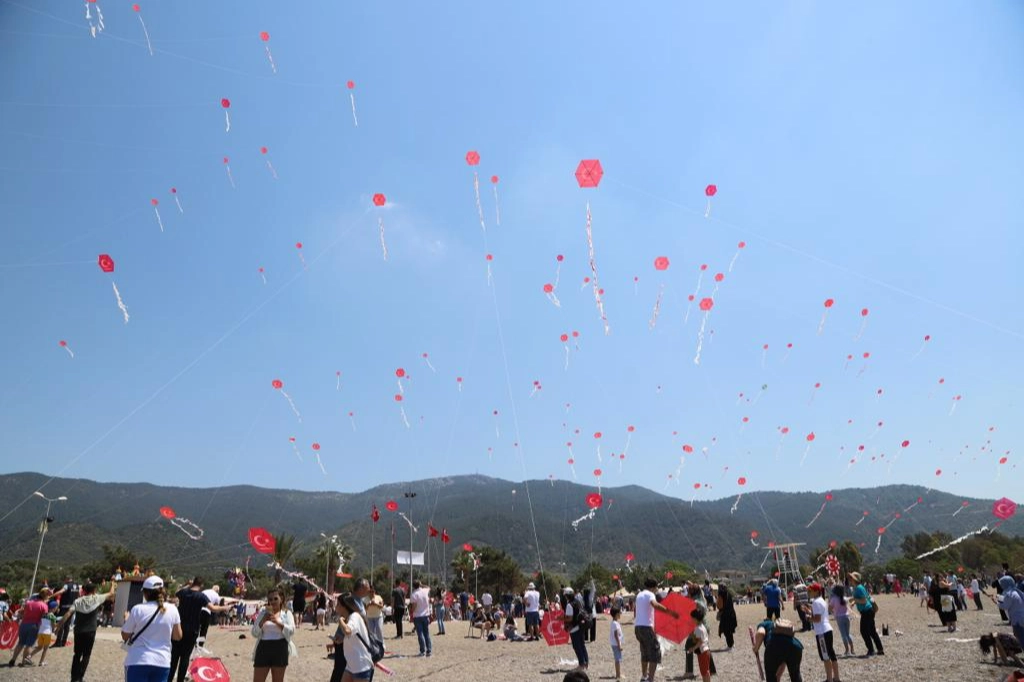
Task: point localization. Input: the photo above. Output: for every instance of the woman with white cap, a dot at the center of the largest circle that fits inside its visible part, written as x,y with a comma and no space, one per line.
147,635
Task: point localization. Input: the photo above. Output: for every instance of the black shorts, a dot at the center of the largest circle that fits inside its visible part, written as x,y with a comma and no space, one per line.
271,654
825,649
650,649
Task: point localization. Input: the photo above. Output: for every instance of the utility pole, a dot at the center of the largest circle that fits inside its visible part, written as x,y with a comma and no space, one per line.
410,496
42,534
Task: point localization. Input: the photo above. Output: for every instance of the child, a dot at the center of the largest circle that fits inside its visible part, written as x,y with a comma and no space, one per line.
823,632
615,639
45,637
511,634
700,644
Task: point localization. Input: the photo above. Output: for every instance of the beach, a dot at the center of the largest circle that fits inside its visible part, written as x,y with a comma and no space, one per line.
917,648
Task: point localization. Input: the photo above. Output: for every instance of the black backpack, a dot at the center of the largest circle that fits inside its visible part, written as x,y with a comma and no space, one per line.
580,614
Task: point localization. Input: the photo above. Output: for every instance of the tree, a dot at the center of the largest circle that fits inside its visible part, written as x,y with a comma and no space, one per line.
494,571
850,558
601,576
284,550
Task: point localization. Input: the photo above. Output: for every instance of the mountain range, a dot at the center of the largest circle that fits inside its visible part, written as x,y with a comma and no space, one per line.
518,517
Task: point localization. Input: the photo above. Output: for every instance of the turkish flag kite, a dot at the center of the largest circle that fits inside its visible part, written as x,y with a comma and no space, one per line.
208,670
262,541
675,629
553,629
8,634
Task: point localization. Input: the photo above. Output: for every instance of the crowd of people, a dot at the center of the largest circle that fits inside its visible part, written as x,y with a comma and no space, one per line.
161,633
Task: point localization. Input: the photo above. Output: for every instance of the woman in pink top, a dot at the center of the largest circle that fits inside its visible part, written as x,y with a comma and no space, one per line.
32,614
837,604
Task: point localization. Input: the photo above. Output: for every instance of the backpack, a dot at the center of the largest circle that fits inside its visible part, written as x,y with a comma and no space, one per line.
580,614
374,646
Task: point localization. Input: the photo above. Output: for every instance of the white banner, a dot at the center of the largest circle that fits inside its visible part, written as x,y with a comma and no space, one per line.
403,558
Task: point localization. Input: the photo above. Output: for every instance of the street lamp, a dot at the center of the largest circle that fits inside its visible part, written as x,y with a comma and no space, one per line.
42,534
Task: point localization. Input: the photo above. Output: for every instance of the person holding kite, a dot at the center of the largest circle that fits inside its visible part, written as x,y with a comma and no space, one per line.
643,628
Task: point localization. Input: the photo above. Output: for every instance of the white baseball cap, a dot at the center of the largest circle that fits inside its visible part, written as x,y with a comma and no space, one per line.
531,586
153,582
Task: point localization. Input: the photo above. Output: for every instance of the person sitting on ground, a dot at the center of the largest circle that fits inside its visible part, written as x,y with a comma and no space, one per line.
511,634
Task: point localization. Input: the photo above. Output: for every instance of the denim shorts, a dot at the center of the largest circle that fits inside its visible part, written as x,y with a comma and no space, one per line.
617,654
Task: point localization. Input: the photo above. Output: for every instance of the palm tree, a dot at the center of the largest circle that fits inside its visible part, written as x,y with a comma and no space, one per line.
284,550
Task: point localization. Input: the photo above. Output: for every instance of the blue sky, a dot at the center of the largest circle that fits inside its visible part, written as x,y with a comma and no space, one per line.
870,156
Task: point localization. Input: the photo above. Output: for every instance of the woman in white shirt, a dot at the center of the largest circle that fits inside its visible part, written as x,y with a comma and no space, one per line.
273,630
147,634
358,663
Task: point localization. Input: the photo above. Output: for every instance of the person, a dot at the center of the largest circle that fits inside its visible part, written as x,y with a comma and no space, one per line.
1013,605
5,606
299,590
439,609
32,613
643,629
699,643
358,661
150,629
615,639
977,590
481,620
726,615
782,650
321,610
206,615
45,637
487,600
772,599
273,630
823,634
191,602
419,610
464,605
801,605
531,604
398,607
837,603
867,609
709,596
575,619
947,604
86,611
374,605
68,594
511,634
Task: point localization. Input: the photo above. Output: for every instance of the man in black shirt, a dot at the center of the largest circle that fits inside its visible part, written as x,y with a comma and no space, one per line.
299,602
398,607
191,602
68,594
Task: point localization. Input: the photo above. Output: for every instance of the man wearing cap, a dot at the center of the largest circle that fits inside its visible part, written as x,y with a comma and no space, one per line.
643,627
86,611
531,602
823,632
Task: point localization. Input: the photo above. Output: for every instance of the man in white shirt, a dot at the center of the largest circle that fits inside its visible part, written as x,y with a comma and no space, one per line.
419,610
643,628
823,632
487,600
531,602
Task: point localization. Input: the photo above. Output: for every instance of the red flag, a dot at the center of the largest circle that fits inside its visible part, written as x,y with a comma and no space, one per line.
262,541
208,670
8,634
432,530
445,538
375,515
553,629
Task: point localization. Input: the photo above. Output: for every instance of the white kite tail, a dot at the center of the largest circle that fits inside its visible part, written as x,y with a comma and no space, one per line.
958,510
263,277
878,544
965,536
429,365
553,298
120,303
178,203
736,505
146,33
586,517
821,324
657,308
270,167
231,178
806,451
700,337
497,207
383,244
296,451
227,121
479,206
405,420
860,521
352,97
68,349
319,462
158,220
270,58
188,528
707,209
593,271
292,404
811,523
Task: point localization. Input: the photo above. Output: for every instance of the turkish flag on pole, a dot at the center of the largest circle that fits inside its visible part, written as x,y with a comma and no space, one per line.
675,629
432,530
375,515
445,538
553,629
208,670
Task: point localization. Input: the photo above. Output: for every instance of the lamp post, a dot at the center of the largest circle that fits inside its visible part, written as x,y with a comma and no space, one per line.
42,534
409,496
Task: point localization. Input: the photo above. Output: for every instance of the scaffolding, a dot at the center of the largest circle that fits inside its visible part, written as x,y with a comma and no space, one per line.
787,562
